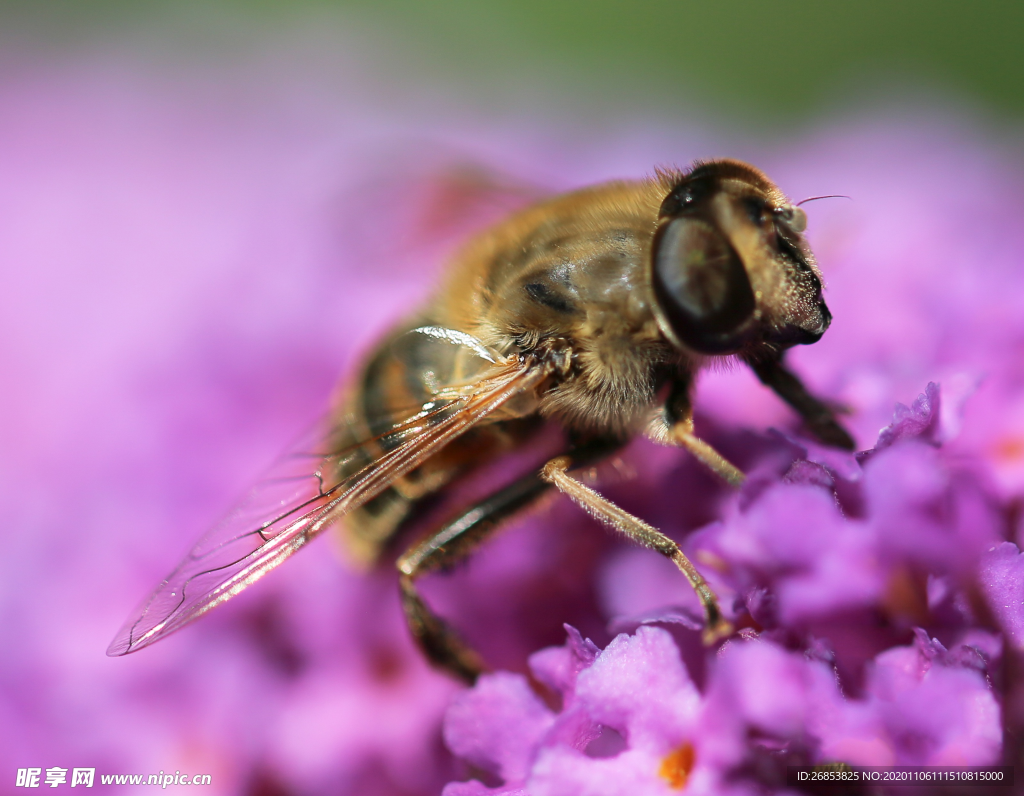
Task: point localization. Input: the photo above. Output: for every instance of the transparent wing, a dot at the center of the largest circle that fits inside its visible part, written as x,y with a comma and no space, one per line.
298,498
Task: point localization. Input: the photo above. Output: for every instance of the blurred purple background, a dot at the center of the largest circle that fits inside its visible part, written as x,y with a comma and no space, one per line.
191,258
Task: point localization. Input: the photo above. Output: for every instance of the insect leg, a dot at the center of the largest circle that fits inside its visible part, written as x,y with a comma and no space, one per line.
556,472
682,432
679,414
439,642
819,417
454,541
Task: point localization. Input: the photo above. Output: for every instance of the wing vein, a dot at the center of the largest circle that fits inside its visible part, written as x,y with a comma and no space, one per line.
224,562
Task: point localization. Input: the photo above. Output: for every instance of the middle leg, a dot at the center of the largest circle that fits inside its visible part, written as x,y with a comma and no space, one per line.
555,472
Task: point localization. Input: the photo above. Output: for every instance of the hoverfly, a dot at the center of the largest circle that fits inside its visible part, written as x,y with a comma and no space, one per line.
593,311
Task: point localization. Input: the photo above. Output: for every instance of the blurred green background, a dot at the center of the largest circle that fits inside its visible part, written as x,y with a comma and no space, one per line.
774,63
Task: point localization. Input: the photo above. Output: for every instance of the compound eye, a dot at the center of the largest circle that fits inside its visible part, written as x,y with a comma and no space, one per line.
701,288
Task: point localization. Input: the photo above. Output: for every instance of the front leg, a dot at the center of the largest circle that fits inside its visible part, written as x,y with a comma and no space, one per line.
819,417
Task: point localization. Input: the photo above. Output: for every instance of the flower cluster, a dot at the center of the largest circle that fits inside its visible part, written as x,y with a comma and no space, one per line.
844,573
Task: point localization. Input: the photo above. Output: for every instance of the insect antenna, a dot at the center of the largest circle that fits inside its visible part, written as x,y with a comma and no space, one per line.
827,196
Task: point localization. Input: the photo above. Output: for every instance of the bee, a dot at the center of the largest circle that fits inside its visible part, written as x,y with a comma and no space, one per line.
593,311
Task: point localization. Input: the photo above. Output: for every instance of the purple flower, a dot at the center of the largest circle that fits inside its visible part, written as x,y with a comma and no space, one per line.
1002,578
636,691
825,593
922,420
828,545
764,708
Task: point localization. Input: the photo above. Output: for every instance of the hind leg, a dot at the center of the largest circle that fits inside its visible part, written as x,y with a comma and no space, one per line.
456,540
